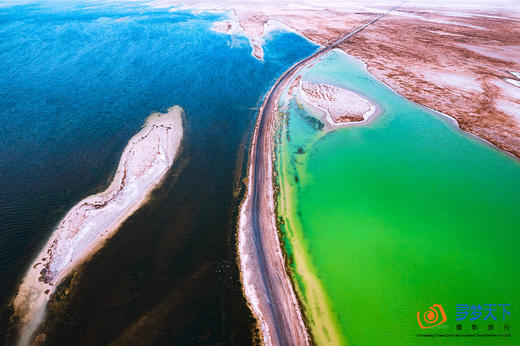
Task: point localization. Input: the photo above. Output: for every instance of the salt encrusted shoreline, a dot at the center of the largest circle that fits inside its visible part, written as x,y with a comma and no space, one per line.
250,270
142,167
256,33
262,264
341,107
454,57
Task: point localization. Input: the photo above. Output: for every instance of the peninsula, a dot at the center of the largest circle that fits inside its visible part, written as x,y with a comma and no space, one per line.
143,165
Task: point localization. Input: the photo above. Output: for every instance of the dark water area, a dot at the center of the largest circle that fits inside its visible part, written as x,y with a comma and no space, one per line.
75,85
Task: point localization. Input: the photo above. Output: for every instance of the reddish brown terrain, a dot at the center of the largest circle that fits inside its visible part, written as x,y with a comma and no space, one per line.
457,69
460,62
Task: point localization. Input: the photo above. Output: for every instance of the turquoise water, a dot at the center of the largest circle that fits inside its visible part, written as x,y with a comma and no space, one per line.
75,84
396,216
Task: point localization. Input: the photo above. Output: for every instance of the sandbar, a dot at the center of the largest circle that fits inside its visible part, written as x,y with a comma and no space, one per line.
85,228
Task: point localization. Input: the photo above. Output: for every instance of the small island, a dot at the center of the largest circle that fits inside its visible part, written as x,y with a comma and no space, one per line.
339,106
142,167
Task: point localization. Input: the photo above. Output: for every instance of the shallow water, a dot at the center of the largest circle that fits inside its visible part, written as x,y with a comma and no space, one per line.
76,84
398,215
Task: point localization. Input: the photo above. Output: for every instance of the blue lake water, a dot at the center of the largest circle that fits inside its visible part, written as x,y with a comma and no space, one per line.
75,84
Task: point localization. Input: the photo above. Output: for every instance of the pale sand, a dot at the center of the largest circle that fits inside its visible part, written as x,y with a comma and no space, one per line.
280,319
341,106
142,167
256,32
251,271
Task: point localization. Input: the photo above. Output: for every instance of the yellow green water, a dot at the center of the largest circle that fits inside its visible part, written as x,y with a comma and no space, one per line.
386,219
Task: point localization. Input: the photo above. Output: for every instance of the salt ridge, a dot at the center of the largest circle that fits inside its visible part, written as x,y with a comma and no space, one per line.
142,167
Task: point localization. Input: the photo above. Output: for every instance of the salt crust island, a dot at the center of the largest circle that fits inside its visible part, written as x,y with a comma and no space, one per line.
339,106
143,165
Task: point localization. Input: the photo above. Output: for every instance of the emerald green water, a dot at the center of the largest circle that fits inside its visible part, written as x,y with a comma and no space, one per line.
398,215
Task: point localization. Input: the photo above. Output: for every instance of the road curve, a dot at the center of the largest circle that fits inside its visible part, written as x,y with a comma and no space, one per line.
266,282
